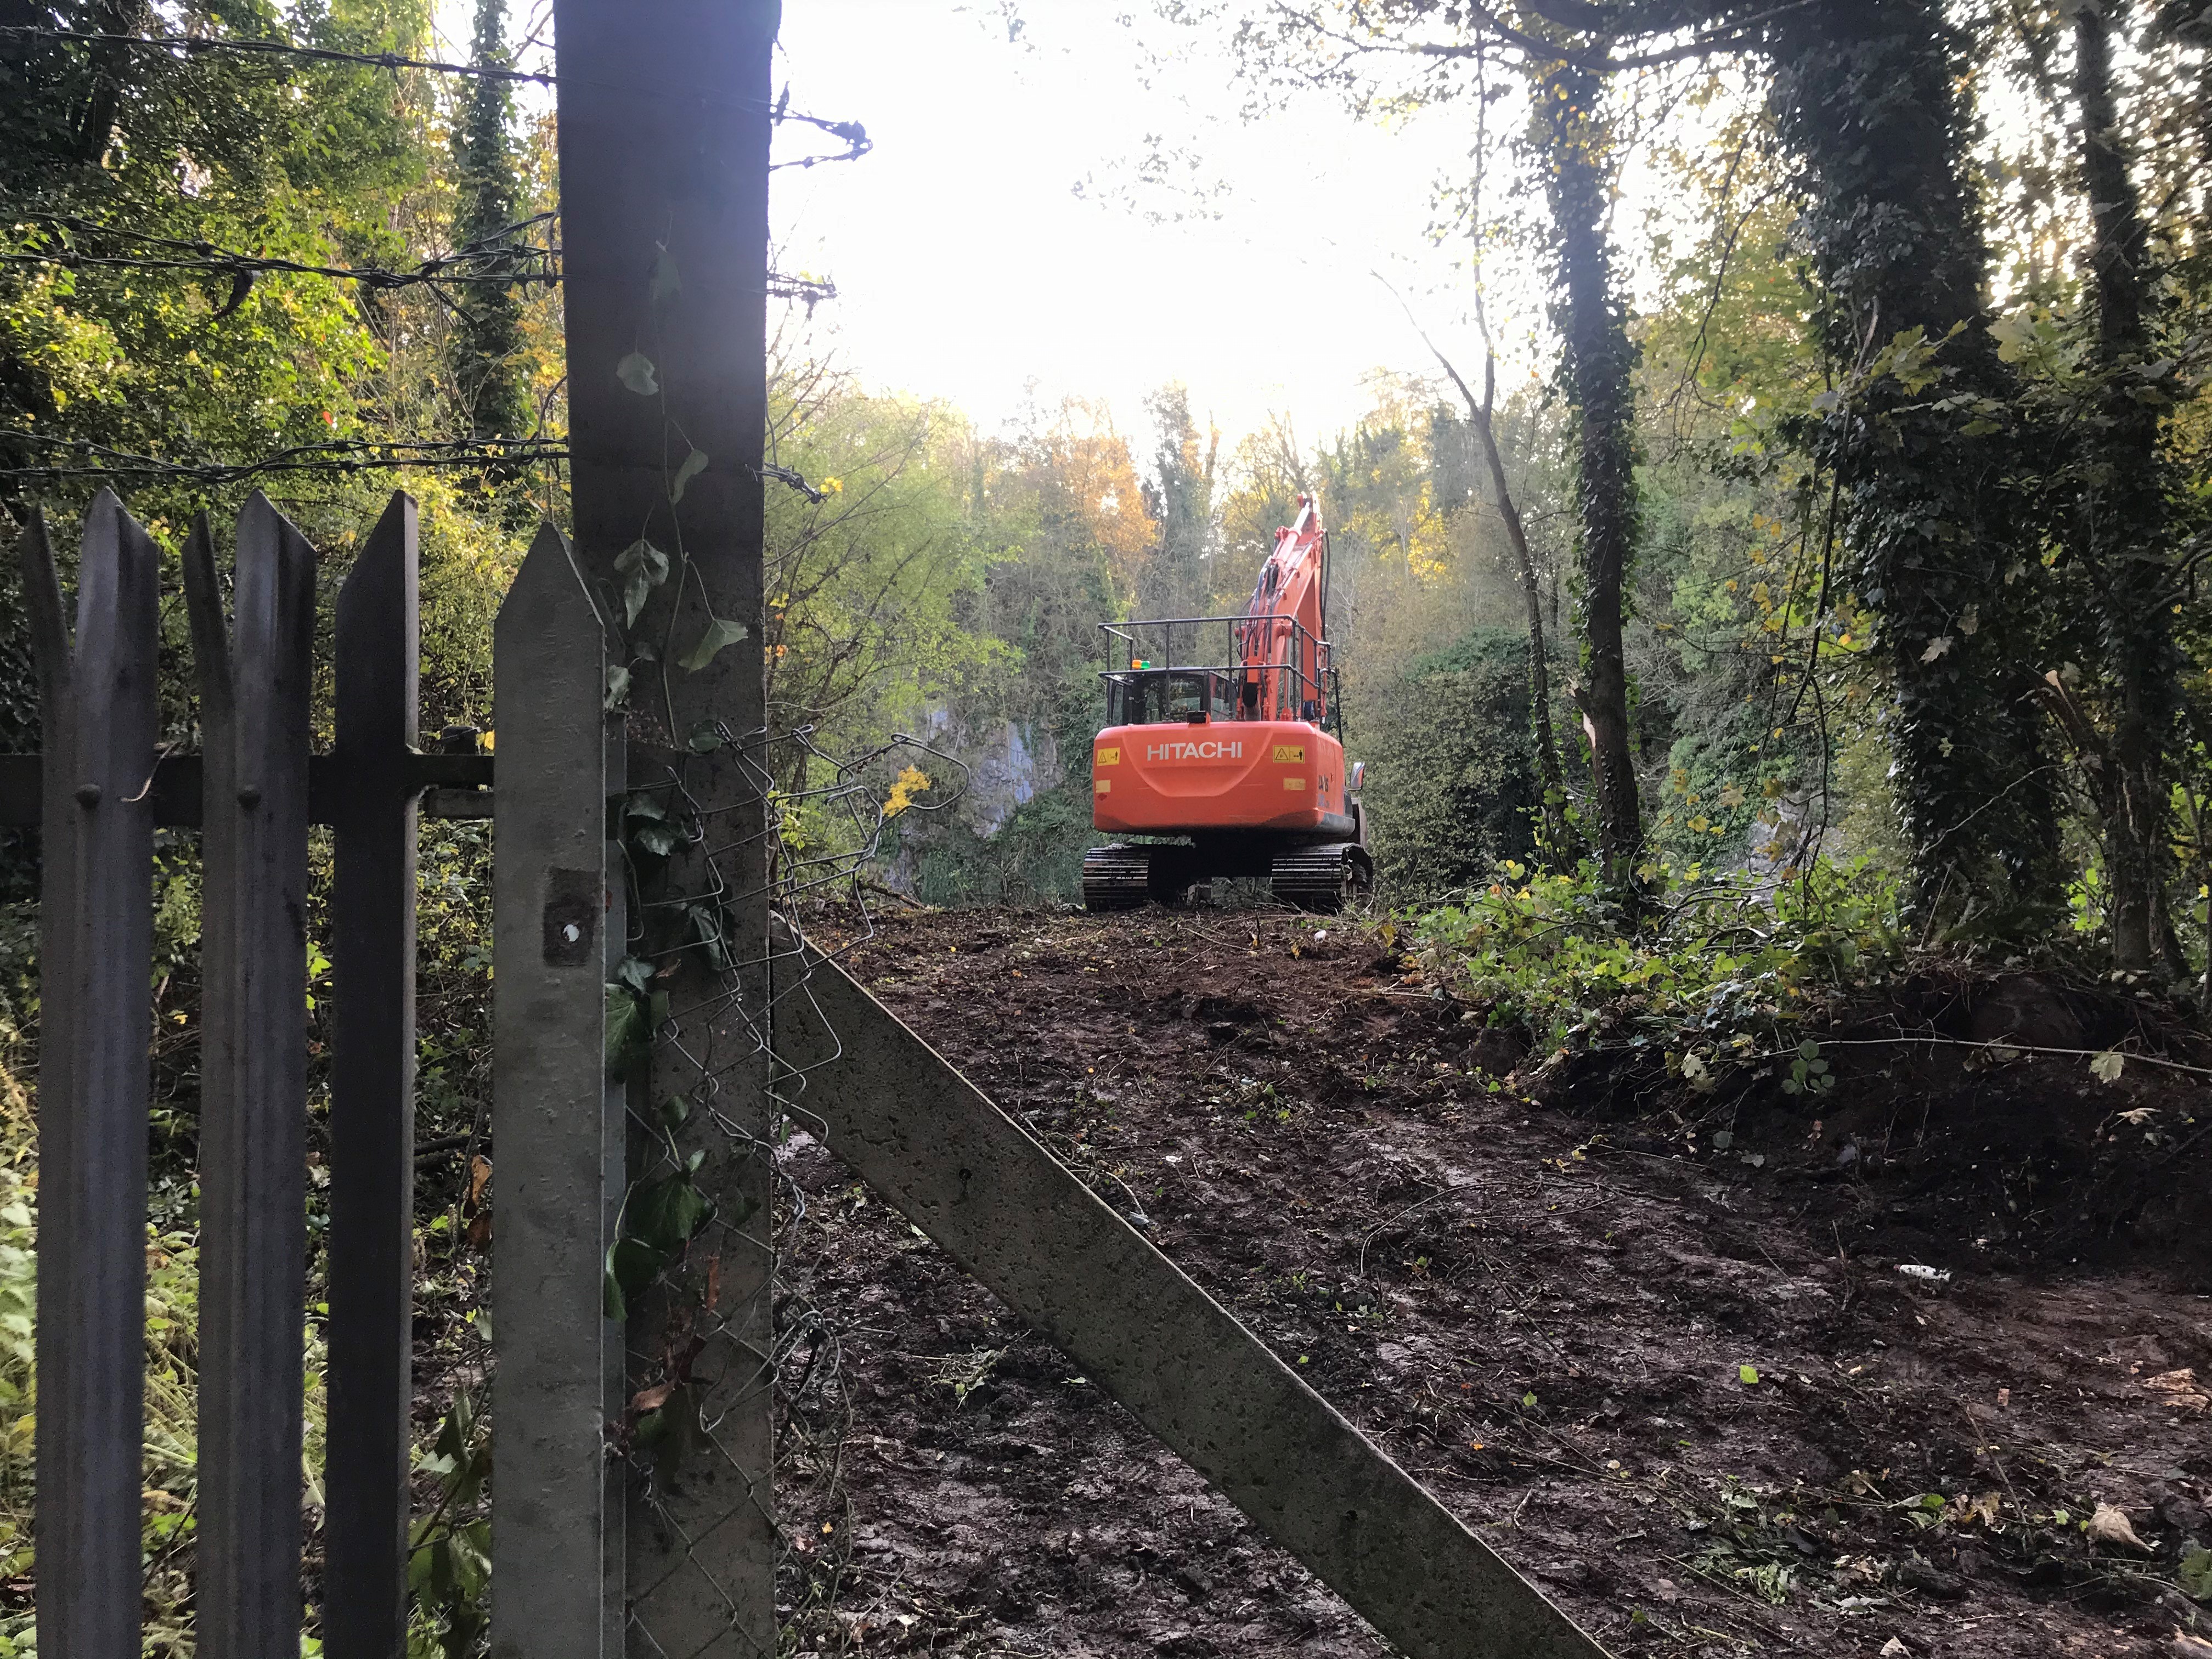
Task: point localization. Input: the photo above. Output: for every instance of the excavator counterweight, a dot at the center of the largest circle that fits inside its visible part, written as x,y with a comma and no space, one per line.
1229,761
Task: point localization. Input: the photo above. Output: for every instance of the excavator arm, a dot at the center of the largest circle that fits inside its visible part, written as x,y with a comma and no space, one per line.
1286,627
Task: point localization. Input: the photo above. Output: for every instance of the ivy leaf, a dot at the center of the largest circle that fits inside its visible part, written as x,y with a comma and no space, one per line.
719,634
630,1268
1937,647
617,686
694,465
1747,1375
666,282
635,372
707,922
644,567
2107,1068
630,1033
663,1214
705,739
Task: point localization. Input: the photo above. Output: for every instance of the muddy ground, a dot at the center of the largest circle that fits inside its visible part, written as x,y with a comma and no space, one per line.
1654,1344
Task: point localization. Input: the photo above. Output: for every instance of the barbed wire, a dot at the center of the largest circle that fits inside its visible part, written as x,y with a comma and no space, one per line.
246,47
858,143
437,270
811,290
792,478
339,455
209,258
249,265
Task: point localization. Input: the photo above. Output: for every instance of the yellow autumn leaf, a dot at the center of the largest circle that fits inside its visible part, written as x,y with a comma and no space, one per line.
911,782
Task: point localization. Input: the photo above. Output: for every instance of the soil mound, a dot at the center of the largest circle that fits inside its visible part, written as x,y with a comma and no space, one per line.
1961,1117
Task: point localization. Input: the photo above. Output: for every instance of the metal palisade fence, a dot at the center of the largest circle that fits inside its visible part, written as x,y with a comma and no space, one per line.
101,788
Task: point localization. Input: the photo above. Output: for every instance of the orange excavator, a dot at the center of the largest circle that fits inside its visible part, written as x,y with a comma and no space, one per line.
1223,748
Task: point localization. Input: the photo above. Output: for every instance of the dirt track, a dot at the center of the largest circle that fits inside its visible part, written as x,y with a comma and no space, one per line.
1546,1316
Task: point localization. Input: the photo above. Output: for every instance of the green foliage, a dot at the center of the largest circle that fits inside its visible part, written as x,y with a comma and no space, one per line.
278,159
488,361
449,1550
1179,496
1720,974
1035,857
18,1308
867,587
1452,788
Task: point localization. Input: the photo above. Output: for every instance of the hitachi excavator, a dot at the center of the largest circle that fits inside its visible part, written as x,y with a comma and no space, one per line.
1229,760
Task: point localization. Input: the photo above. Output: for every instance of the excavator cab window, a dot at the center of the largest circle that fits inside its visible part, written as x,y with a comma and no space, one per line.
1162,696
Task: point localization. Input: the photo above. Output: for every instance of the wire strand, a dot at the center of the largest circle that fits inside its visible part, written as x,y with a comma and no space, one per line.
190,43
340,455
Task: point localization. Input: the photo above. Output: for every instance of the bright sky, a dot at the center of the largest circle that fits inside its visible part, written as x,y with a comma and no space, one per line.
968,267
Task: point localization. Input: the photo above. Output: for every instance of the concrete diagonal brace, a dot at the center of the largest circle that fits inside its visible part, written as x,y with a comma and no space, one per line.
933,1144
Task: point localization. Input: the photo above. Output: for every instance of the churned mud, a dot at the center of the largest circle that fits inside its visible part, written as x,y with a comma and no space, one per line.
1735,1370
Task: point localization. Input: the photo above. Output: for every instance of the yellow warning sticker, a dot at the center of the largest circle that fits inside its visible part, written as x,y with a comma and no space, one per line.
1294,783
1102,786
1109,758
1291,753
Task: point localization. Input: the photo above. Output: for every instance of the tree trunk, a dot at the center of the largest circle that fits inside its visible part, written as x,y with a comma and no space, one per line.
1561,846
1576,146
1868,94
2119,520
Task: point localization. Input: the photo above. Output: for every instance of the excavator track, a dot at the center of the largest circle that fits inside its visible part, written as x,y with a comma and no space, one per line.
1116,877
1321,878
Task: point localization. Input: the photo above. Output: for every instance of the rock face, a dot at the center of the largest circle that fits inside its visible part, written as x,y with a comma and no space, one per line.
1008,764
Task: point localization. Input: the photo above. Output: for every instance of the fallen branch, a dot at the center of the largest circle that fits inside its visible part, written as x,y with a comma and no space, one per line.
890,892
2012,1049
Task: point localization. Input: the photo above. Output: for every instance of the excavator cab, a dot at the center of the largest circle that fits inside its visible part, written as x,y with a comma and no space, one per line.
1156,696
1220,747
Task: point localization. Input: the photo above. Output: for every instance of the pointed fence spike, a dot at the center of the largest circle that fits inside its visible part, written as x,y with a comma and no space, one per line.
49,617
97,926
257,691
552,906
210,628
372,1191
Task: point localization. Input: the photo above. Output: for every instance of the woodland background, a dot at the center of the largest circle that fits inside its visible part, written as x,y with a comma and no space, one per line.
1856,611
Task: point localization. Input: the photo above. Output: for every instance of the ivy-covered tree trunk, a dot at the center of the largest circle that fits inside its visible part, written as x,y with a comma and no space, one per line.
1575,143
2118,519
1562,847
486,353
1866,94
